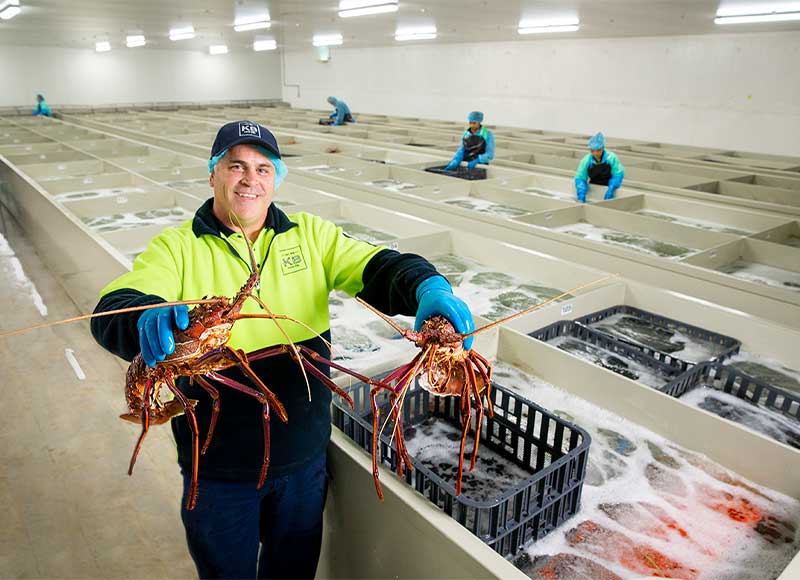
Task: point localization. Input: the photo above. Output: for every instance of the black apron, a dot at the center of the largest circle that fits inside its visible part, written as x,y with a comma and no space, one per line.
474,144
599,173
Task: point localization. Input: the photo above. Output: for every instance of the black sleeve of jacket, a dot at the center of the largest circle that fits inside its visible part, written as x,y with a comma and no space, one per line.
391,279
117,332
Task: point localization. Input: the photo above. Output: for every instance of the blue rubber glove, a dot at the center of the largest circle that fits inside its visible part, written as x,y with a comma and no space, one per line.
582,188
155,331
471,165
609,193
435,296
452,165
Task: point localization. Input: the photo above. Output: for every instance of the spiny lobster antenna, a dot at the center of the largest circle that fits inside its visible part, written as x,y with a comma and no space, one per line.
234,219
106,313
538,306
400,330
254,270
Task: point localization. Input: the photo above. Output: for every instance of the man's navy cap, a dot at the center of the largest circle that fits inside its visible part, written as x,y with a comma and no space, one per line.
239,132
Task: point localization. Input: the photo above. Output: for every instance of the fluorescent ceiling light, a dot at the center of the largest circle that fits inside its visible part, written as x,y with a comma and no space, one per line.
548,29
422,33
402,37
9,9
348,8
252,23
181,33
260,45
135,40
570,24
103,46
752,8
217,49
327,40
765,16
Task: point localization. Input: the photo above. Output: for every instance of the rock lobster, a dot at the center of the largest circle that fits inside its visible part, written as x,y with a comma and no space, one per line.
201,352
445,369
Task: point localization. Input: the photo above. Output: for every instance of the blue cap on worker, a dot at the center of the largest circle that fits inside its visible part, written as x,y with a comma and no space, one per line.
248,133
332,100
475,117
597,142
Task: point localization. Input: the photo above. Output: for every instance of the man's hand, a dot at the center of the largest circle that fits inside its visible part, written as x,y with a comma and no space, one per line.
435,296
155,331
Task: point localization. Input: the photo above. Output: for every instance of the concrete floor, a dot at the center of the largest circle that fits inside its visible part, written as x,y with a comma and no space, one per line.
69,509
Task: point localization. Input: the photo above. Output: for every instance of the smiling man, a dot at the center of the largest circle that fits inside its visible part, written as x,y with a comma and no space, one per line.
301,258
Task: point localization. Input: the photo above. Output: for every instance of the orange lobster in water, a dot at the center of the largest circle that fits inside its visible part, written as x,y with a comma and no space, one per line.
445,369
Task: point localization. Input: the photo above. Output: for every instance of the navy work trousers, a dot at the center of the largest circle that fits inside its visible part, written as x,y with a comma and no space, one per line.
232,520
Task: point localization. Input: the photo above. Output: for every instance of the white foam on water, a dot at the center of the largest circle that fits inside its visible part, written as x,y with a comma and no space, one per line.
393,184
756,418
436,443
365,233
359,337
646,375
692,222
122,221
482,296
694,349
763,274
541,192
322,168
97,193
717,546
626,240
485,206
747,357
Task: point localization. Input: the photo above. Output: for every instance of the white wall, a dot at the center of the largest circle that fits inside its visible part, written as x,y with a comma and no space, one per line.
85,77
737,91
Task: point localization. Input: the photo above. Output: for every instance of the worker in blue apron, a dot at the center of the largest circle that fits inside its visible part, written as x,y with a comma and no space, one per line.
598,166
477,144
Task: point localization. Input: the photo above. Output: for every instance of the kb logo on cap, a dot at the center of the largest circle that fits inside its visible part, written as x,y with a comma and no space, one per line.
249,130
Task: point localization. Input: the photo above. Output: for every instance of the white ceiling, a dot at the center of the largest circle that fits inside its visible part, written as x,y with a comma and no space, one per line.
80,23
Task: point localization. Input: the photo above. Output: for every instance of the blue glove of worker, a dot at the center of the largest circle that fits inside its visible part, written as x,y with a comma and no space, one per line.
435,296
582,188
471,165
609,193
155,331
452,165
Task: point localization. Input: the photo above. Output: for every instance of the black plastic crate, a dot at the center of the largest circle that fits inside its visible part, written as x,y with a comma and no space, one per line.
551,450
679,372
461,172
734,382
729,344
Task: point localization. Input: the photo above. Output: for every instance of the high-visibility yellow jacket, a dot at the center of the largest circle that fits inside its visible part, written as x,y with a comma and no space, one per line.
301,259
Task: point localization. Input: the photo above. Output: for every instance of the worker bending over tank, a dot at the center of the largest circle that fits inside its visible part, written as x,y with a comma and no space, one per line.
598,166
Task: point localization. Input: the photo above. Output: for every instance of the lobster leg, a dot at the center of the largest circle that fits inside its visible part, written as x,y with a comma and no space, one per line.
487,376
147,394
241,359
400,442
265,416
214,394
466,413
323,378
188,408
472,384
376,413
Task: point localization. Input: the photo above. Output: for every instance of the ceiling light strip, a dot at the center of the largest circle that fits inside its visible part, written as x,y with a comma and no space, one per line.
757,18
